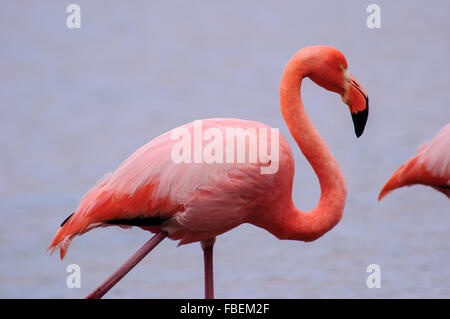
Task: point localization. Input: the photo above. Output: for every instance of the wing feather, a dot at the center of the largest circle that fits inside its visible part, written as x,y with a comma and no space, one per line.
150,184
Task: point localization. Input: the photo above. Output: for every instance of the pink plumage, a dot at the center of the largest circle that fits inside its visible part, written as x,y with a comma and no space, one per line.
430,166
195,196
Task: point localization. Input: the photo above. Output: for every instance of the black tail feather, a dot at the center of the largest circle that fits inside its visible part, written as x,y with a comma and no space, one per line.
138,221
65,220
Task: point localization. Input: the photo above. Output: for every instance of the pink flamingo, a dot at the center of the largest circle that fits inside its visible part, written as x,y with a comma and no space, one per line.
430,166
197,202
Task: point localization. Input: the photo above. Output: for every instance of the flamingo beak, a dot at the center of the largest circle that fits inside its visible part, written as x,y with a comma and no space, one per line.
358,101
360,120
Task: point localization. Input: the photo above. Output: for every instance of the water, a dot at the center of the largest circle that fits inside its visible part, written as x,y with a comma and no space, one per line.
76,103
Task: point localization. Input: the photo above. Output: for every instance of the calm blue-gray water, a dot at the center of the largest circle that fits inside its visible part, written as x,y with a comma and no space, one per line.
76,102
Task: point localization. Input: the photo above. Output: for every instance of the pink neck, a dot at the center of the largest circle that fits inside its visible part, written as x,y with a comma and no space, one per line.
307,226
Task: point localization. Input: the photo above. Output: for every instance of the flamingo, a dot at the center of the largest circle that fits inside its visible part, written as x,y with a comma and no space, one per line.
195,202
430,166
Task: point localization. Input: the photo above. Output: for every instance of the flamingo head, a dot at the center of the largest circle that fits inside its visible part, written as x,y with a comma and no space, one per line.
329,69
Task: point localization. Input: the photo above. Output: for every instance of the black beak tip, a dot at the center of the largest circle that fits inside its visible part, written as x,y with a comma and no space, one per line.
360,120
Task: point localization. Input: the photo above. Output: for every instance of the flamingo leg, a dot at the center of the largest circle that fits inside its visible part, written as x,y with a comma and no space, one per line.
127,266
207,247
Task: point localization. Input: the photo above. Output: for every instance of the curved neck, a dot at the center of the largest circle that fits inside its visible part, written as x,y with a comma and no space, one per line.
310,225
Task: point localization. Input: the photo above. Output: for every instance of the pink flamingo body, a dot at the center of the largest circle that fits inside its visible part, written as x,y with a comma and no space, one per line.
194,197
430,166
193,202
